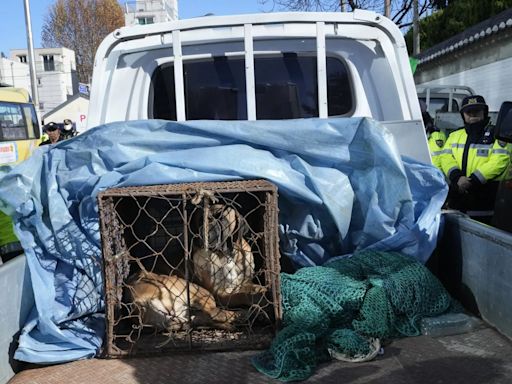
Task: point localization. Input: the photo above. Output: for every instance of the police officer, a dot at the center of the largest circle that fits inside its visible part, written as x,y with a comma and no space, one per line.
474,161
68,129
53,132
436,138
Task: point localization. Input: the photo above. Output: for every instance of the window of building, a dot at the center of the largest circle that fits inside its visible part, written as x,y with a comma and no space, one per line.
286,88
48,63
22,58
145,20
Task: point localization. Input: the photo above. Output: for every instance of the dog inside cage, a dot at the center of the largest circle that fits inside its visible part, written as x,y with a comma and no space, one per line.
194,268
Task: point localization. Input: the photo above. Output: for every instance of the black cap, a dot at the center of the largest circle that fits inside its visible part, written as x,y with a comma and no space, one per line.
473,102
51,126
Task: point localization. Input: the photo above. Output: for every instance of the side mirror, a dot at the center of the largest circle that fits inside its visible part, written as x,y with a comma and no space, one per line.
503,129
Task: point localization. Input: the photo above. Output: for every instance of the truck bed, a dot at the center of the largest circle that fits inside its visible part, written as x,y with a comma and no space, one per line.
480,356
473,261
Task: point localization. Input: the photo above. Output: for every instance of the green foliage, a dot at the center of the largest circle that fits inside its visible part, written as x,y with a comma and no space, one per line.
457,16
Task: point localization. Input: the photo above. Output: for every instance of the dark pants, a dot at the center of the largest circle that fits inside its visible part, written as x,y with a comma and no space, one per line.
478,202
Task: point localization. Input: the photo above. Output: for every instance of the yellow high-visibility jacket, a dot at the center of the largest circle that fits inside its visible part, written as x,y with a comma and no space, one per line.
436,141
485,161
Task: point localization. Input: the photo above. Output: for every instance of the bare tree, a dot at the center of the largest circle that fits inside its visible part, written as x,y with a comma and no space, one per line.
400,9
81,25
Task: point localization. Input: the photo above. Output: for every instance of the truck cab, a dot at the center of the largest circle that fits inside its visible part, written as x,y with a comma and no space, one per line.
443,98
265,66
443,104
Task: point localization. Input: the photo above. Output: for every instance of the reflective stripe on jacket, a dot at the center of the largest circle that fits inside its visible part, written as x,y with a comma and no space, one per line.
484,161
436,142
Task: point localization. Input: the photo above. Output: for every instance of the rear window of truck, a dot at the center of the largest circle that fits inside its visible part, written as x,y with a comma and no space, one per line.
286,88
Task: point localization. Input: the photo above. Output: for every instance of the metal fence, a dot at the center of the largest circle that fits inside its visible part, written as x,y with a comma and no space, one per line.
190,267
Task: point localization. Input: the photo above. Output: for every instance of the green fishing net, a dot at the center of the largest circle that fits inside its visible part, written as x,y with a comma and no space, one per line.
343,309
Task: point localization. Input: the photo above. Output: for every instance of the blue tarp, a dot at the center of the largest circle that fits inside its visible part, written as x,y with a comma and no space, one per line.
342,187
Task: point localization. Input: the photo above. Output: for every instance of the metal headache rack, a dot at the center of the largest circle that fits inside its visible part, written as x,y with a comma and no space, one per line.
191,266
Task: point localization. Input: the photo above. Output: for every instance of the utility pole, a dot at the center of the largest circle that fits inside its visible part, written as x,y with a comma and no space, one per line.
12,74
31,56
343,6
415,28
387,8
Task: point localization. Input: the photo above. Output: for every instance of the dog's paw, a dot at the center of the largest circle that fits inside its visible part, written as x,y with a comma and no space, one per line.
256,288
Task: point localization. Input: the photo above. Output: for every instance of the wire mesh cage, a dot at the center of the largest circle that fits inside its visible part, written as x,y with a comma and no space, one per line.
190,266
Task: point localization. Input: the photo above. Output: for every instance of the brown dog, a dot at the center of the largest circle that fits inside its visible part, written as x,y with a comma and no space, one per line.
162,302
226,267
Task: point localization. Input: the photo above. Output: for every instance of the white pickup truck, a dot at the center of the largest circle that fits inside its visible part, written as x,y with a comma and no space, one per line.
266,66
289,66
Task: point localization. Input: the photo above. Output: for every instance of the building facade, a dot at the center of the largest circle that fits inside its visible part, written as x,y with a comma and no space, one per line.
55,75
142,12
14,74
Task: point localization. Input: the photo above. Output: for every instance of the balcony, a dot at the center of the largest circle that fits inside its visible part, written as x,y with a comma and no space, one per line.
145,6
49,66
163,8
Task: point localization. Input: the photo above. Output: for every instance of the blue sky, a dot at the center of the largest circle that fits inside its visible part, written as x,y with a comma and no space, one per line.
12,27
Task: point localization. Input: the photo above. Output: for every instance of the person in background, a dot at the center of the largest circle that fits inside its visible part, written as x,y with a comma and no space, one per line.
436,138
68,129
474,161
53,132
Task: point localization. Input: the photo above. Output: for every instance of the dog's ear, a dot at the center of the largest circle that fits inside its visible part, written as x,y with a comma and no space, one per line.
214,227
225,225
229,221
243,227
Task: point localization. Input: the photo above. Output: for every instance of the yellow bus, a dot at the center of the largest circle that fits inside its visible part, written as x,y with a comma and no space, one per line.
19,127
19,135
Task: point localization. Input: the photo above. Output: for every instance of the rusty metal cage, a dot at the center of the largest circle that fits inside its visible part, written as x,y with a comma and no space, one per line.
191,266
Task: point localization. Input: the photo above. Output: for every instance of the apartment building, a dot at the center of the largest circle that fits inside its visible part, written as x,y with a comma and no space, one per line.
150,11
55,74
14,74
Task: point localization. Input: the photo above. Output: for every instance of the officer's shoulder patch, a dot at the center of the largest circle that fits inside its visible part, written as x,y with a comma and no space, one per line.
502,143
440,143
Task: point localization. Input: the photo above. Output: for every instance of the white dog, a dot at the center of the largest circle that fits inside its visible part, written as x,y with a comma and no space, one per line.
226,267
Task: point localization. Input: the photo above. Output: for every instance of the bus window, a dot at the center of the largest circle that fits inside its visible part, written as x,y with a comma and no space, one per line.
30,116
12,122
18,119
